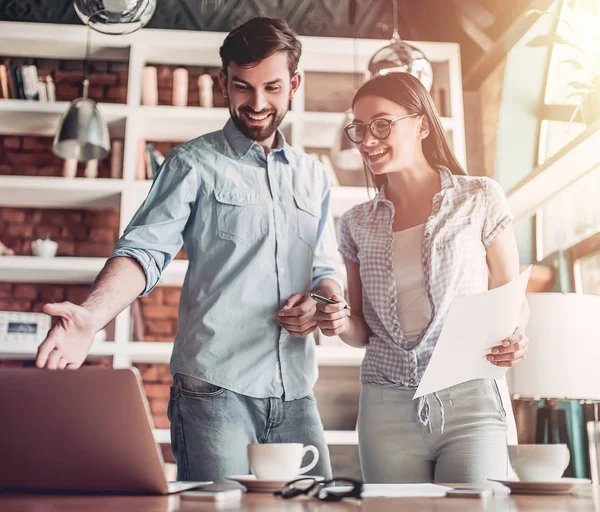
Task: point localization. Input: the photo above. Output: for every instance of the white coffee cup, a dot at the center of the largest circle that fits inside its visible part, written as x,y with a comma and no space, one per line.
280,461
539,462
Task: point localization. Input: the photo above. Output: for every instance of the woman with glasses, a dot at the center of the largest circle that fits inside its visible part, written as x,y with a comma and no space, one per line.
430,235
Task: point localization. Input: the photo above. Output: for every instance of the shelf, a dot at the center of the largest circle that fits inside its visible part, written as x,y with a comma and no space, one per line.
23,117
149,351
341,437
344,198
179,124
160,352
339,355
31,269
163,122
332,437
29,350
64,193
174,274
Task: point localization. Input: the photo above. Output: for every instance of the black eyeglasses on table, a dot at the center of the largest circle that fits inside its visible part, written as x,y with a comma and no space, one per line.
335,489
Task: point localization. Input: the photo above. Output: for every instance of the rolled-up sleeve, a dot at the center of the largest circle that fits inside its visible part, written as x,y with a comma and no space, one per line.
497,211
327,262
155,234
347,246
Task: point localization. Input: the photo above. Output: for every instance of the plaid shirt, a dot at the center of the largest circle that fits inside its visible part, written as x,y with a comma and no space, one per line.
467,215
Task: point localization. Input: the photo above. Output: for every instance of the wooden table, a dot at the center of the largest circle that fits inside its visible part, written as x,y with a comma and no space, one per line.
581,502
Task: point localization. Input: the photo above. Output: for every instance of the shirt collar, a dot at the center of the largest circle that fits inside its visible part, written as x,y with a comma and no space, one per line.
447,181
242,145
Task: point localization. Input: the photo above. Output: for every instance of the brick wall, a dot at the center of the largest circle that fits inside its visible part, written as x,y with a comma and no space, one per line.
32,156
31,297
157,382
108,80
159,311
86,233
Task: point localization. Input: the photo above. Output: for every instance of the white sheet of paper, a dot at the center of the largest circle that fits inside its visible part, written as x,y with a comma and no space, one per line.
404,491
474,325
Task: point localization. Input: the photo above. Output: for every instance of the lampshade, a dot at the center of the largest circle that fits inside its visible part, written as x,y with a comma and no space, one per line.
81,133
399,56
115,17
344,154
564,348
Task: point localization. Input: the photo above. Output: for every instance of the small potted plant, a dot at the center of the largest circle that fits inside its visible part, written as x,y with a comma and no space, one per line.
585,58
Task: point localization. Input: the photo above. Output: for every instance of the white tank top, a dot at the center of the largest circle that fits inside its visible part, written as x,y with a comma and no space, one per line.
414,310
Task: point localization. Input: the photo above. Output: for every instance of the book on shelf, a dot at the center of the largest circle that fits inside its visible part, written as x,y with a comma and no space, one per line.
140,170
50,89
116,159
148,161
153,160
42,91
17,80
4,82
23,83
30,82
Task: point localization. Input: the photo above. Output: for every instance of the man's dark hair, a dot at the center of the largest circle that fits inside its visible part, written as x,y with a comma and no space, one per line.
258,39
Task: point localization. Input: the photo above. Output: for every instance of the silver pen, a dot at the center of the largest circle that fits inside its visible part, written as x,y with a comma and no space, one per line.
325,300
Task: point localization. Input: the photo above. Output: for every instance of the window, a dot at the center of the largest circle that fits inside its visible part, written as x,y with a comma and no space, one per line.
574,214
585,261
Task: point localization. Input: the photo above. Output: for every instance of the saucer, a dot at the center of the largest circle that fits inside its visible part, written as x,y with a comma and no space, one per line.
561,486
252,484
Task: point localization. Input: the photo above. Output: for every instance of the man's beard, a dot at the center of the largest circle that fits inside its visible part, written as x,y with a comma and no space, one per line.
257,133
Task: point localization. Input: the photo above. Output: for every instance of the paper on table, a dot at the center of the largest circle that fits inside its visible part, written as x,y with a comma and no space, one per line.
404,491
474,325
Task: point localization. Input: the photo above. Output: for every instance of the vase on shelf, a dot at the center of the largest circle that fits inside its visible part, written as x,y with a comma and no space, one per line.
70,168
180,87
44,247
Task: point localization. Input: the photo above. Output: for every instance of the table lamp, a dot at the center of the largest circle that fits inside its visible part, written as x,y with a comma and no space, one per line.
562,364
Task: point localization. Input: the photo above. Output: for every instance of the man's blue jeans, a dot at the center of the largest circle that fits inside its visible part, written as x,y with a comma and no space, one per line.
212,426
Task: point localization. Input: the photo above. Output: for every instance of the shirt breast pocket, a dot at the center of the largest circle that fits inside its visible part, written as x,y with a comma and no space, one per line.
457,234
309,215
240,217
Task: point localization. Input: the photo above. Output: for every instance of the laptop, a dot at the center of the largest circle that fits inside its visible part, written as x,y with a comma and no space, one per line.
86,430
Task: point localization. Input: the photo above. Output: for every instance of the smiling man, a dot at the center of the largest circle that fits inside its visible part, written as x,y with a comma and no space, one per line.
253,216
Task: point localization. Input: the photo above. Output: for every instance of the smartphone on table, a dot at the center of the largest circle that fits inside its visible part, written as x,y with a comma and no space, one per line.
216,493
469,492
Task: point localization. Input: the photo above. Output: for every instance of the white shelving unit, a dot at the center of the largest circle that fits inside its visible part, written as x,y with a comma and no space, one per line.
134,122
332,437
46,192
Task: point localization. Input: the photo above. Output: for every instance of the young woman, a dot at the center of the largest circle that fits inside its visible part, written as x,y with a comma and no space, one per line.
431,234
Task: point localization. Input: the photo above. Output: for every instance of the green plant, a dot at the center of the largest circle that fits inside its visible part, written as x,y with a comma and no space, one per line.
586,54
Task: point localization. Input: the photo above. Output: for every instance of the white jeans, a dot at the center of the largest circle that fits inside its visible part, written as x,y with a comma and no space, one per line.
395,448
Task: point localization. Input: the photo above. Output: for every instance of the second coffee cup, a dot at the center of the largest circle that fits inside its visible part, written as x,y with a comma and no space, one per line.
280,461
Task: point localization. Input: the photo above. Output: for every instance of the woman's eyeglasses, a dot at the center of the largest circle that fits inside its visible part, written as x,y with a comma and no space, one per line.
326,490
380,128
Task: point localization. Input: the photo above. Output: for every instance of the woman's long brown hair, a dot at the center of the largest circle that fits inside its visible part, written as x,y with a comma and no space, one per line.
408,92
